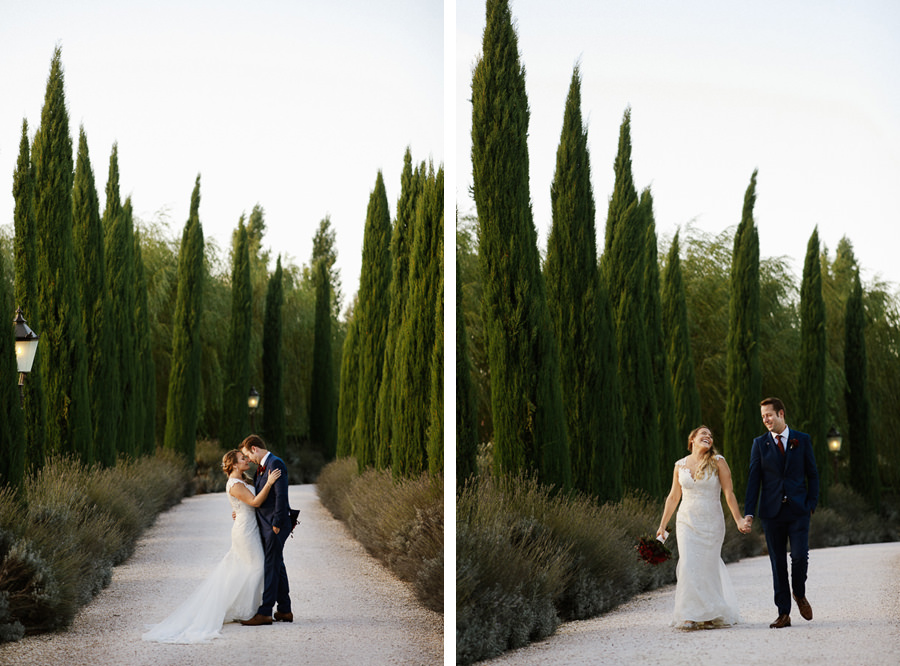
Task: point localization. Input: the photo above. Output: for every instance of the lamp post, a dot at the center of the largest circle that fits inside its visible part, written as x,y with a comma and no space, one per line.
834,445
252,403
26,348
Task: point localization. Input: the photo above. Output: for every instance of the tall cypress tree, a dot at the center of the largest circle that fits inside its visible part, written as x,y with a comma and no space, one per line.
743,380
63,351
526,400
575,301
466,397
435,446
120,276
863,457
12,427
235,418
670,449
372,316
678,347
623,268
33,403
411,410
146,401
182,406
111,214
811,408
273,372
401,245
88,237
323,405
348,399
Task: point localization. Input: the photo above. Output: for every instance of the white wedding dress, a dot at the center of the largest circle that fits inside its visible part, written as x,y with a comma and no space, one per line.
233,591
704,592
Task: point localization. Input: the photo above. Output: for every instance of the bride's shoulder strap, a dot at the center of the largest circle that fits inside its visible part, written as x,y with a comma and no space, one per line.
720,457
681,462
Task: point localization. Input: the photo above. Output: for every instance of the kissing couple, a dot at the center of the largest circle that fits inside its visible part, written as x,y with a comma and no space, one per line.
251,579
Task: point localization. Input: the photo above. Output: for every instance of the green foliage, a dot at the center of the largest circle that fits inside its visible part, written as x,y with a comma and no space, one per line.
12,427
812,414
236,385
145,432
678,347
184,379
347,401
400,522
466,397
436,418
63,355
323,405
273,364
372,313
528,418
33,402
96,310
411,403
744,382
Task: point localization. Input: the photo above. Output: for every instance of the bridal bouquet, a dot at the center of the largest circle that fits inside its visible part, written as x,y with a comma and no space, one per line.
652,550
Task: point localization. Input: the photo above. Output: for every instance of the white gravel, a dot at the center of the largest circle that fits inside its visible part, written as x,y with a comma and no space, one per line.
348,609
855,596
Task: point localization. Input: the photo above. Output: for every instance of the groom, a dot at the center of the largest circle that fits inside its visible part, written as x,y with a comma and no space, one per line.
782,463
273,518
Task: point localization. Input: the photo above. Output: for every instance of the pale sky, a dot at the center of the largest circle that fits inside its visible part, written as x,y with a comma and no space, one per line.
292,105
806,91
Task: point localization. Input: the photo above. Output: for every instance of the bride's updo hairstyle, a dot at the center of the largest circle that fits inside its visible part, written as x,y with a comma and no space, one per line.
708,462
229,461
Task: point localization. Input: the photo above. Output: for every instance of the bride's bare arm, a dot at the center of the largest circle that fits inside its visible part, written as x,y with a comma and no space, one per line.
240,491
671,503
728,489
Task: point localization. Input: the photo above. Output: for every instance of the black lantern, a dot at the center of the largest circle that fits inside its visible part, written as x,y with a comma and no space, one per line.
252,403
834,445
26,346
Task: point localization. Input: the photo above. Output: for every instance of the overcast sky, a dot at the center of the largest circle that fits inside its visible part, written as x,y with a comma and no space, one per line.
292,105
808,92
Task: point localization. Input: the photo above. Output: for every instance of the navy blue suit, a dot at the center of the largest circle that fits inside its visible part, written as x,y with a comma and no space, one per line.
274,512
783,490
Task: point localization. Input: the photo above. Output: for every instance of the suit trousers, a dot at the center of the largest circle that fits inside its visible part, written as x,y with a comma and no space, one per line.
275,580
789,525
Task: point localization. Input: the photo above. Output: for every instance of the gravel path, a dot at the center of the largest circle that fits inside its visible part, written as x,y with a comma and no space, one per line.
854,592
348,609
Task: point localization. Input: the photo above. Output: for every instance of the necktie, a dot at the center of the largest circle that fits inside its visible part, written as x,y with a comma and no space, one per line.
780,445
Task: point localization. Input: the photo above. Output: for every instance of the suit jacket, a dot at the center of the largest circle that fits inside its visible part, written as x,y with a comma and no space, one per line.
774,477
275,510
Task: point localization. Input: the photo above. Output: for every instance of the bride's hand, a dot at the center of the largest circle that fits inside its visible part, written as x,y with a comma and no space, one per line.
273,476
661,532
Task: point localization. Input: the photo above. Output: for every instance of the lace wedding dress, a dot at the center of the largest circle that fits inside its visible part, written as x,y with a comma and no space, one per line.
704,593
232,591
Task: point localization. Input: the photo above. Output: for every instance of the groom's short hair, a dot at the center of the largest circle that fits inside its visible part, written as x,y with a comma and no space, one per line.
777,405
251,441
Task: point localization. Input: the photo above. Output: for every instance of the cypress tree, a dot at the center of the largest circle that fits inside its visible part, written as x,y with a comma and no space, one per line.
323,406
372,318
436,420
678,347
348,402
863,458
88,238
624,271
411,410
146,394
12,426
743,376
63,352
466,397
182,406
273,421
26,276
670,449
811,407
580,314
235,418
401,244
121,277
529,423
111,214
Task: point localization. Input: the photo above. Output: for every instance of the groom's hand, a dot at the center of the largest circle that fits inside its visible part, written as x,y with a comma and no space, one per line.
275,529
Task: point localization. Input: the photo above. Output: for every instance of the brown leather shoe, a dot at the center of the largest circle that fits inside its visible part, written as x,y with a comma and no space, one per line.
257,620
804,607
781,622
284,617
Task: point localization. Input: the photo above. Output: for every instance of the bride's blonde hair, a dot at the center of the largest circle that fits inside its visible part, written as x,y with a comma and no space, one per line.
229,460
708,462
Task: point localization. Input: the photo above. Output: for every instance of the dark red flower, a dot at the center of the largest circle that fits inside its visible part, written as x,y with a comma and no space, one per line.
794,443
652,550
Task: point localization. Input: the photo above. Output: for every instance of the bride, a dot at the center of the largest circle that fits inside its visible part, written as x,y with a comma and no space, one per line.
234,588
704,596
